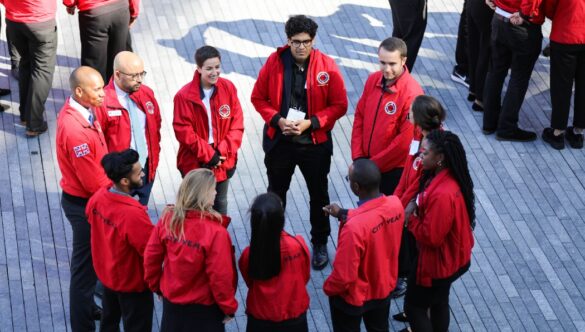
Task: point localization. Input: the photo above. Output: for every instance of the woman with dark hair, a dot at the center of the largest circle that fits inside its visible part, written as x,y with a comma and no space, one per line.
426,114
189,260
276,269
442,217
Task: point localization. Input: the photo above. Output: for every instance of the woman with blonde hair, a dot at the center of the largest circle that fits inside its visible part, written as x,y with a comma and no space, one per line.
189,260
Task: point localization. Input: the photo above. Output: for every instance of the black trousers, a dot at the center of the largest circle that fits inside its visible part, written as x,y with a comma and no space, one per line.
514,48
567,65
83,277
298,324
420,301
135,310
479,18
102,37
190,317
389,181
375,319
314,161
461,48
409,18
37,45
220,203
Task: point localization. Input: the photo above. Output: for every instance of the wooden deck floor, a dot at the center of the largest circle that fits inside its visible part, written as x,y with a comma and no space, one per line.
528,263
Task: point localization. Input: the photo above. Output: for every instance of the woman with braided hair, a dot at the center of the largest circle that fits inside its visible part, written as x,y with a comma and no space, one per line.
442,220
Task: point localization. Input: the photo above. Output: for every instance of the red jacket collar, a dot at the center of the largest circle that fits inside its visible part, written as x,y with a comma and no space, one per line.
76,115
396,81
194,87
112,101
123,199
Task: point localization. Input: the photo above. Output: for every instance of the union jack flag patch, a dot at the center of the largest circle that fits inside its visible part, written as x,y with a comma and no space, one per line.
81,150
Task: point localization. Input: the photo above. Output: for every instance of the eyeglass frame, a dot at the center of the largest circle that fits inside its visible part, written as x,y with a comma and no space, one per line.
134,76
297,43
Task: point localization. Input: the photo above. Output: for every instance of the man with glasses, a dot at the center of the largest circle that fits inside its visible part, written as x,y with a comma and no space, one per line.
300,94
131,117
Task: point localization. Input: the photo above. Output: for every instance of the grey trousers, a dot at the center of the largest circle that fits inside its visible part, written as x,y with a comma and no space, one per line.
37,45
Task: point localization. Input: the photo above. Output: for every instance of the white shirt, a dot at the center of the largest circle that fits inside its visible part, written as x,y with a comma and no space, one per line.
206,99
80,108
123,99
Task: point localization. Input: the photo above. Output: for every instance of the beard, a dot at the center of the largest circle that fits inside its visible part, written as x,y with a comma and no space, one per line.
136,185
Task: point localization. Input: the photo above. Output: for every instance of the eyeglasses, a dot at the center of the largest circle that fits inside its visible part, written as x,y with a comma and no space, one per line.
135,77
297,43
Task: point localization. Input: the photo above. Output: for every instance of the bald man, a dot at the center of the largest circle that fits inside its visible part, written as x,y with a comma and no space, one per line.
131,117
80,148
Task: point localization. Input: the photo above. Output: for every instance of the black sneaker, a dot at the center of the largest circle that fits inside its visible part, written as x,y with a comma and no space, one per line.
471,96
459,78
557,142
320,256
4,92
476,107
400,288
518,135
575,140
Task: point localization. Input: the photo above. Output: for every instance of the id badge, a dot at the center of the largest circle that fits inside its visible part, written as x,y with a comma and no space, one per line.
295,115
414,145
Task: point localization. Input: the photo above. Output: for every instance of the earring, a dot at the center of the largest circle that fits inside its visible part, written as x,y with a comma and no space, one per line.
440,163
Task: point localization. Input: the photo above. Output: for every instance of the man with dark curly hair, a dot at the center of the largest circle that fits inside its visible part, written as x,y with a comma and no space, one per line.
300,94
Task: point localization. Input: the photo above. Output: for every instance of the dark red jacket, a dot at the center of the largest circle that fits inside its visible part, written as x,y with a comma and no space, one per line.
192,130
198,268
442,230
30,11
83,5
120,228
533,10
366,262
80,149
568,21
381,130
326,95
285,295
115,121
409,182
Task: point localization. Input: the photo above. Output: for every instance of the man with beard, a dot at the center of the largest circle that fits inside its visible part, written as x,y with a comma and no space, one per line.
80,148
131,117
120,228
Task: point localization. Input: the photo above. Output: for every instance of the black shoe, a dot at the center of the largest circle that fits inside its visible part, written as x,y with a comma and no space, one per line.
476,107
401,317
400,288
488,131
4,92
97,313
471,96
320,256
3,107
518,135
575,140
557,142
459,78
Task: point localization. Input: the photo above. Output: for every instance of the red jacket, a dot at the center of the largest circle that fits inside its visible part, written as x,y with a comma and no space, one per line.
568,21
120,228
30,11
326,95
410,178
442,230
83,5
199,268
115,121
366,262
284,296
192,130
533,10
381,130
80,149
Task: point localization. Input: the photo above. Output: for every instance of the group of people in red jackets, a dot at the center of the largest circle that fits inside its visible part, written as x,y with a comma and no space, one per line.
414,218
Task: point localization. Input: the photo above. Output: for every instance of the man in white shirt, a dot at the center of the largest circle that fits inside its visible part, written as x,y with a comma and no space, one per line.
131,117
